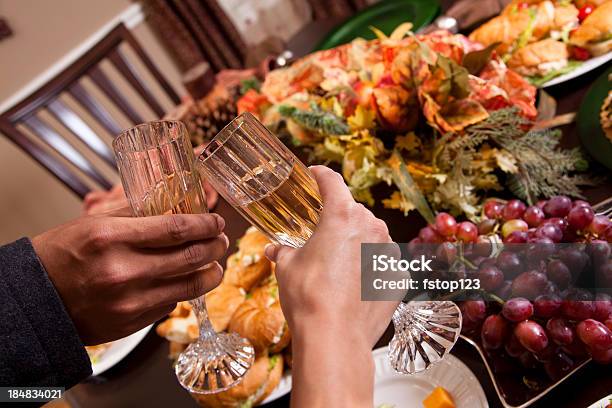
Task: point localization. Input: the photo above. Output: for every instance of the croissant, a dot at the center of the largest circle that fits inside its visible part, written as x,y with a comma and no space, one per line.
222,302
249,265
261,379
260,320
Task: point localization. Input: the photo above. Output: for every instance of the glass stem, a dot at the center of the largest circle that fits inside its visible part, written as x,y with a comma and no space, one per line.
207,332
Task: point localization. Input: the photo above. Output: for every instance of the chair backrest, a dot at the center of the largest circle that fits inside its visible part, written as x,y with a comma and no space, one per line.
48,98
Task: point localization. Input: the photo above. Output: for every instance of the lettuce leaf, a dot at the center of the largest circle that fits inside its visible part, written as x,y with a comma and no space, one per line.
538,81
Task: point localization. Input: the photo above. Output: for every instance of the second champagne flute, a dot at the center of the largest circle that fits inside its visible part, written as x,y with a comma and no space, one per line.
270,187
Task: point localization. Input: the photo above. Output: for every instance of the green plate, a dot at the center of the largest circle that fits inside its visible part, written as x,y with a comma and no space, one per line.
385,15
589,126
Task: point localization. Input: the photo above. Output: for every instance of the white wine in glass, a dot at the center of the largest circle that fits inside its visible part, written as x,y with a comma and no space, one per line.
275,192
157,168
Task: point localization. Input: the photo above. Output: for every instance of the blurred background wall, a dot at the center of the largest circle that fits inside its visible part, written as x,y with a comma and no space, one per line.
49,34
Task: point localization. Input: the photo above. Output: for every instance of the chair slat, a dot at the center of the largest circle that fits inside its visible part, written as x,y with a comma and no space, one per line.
131,75
60,145
52,164
95,108
100,79
137,48
80,129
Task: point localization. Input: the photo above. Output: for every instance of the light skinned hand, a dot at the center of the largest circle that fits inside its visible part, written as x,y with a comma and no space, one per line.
320,294
116,274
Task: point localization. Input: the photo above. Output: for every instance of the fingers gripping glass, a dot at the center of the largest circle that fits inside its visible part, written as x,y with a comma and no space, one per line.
157,167
274,191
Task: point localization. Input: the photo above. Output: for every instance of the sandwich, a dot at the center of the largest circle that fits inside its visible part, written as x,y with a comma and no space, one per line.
249,265
261,320
181,326
259,381
595,32
540,58
222,302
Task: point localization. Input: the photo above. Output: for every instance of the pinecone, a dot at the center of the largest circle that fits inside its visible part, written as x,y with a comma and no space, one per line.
206,117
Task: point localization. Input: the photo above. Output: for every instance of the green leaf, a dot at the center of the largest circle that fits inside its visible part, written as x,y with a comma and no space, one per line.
457,76
409,188
316,119
475,61
538,81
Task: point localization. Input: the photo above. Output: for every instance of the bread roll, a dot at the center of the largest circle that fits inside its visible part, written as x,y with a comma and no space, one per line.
179,329
249,265
536,58
261,379
260,320
596,28
222,302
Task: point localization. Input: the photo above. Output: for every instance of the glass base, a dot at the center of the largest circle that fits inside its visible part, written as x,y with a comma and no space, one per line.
208,367
424,333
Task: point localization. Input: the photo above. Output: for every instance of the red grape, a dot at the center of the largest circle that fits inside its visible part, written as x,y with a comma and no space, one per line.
599,251
490,277
517,309
580,203
534,216
577,309
547,354
467,232
475,309
608,323
574,259
509,262
428,235
541,204
495,329
493,209
558,206
486,226
446,252
549,230
558,366
513,210
580,217
516,237
560,331
576,348
531,335
546,305
599,225
559,273
602,356
603,307
529,284
561,223
445,224
513,347
505,290
594,334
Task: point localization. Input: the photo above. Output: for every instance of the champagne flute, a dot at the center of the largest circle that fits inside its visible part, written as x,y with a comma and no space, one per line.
269,186
157,168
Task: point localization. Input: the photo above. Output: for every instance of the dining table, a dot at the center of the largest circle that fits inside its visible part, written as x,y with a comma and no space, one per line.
145,378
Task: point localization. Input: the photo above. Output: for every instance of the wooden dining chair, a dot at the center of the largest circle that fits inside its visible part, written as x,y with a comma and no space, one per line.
74,169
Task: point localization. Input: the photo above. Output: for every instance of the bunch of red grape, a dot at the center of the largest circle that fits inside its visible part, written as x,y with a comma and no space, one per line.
546,320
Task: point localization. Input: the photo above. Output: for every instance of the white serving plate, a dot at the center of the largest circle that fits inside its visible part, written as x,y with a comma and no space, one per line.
602,403
118,350
586,66
409,391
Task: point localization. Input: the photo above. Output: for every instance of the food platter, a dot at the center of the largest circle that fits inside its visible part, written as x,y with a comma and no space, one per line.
385,15
589,126
117,351
401,390
586,67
